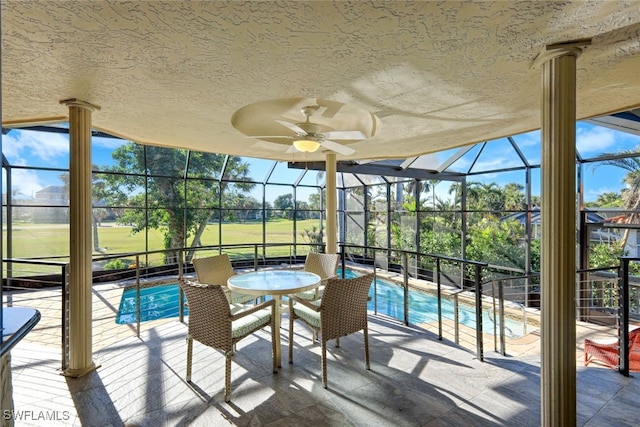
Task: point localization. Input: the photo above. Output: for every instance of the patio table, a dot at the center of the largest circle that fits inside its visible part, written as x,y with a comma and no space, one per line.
275,283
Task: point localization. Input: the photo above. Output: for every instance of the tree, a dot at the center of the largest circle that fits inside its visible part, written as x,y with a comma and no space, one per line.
490,237
421,187
181,209
481,196
514,197
245,207
302,210
314,201
497,242
630,194
284,203
609,199
98,194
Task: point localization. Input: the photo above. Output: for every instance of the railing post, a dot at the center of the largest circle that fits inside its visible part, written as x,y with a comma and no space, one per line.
65,318
623,322
375,283
255,257
456,320
478,286
524,320
181,268
495,319
503,345
138,311
406,287
439,292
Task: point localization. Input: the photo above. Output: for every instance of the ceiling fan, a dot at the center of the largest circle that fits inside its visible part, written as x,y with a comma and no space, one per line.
309,136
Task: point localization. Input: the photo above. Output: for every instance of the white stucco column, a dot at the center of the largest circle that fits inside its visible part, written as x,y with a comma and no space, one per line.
558,246
81,249
332,203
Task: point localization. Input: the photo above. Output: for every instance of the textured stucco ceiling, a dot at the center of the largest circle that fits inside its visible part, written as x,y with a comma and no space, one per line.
436,74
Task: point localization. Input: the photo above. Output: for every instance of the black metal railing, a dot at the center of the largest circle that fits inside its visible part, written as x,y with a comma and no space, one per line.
455,279
397,260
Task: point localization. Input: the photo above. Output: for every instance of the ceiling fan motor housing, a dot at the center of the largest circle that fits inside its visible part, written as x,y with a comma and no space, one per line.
309,110
312,129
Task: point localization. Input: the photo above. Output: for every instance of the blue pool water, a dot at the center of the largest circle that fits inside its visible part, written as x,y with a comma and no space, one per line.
423,308
157,302
161,302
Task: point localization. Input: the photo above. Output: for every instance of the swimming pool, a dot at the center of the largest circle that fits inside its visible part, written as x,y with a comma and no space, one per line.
423,308
161,302
157,302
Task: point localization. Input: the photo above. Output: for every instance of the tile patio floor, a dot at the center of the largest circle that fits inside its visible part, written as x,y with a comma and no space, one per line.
415,380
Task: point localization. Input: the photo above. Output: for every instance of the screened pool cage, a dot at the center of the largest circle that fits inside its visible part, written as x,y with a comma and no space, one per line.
479,202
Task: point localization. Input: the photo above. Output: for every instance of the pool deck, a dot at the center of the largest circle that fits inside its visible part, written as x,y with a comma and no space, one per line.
416,379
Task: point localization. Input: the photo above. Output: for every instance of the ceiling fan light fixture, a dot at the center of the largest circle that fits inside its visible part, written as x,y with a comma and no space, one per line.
306,145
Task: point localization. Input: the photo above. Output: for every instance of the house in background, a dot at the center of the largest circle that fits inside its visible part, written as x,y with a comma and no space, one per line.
605,226
52,205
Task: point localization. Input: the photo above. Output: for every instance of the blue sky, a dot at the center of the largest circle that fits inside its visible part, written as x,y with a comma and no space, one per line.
52,150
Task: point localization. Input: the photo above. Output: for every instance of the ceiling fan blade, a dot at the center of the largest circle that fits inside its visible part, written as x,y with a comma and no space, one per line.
270,137
292,149
331,107
292,126
338,148
344,134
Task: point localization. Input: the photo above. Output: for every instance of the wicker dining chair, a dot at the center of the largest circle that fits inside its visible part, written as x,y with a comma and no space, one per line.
325,266
215,323
341,311
216,270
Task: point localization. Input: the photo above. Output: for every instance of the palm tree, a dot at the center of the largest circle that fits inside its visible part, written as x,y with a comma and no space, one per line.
630,194
514,197
608,199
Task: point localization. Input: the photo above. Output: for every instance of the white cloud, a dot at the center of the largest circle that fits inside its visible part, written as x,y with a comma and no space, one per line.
109,143
24,183
462,164
497,163
529,139
592,194
44,145
594,140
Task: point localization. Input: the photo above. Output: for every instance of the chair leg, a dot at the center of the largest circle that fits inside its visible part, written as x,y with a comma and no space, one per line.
273,346
324,363
338,342
227,377
291,318
366,348
189,356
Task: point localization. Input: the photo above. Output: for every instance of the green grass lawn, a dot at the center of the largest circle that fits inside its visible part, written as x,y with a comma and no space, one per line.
50,240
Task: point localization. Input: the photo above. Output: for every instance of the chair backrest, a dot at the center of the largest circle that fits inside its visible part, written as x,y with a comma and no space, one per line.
209,315
324,265
344,306
213,270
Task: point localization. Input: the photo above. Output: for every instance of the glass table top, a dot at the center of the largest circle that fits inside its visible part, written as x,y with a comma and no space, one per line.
274,281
